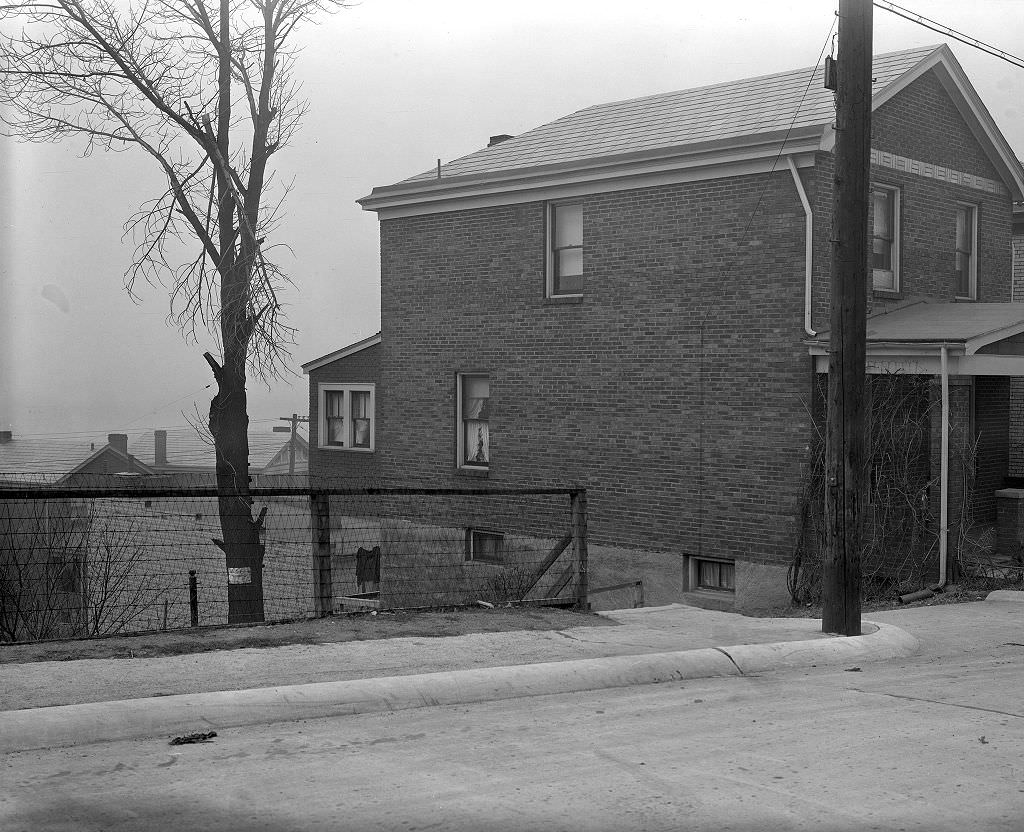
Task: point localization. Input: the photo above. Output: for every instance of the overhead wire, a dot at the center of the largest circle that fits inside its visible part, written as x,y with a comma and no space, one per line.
949,31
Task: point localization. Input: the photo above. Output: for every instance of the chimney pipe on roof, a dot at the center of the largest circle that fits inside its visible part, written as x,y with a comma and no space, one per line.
6,436
501,137
160,447
119,442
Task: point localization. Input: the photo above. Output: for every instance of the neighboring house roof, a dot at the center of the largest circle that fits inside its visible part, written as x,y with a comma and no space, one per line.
189,451
729,122
38,460
281,461
344,352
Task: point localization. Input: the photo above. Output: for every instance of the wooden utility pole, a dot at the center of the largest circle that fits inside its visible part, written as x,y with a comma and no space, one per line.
846,448
295,418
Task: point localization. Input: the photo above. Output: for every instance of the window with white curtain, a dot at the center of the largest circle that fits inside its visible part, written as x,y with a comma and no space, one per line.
474,392
346,416
885,239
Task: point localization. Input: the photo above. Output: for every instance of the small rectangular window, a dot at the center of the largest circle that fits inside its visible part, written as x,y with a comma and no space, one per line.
718,575
485,546
565,250
346,416
474,416
885,239
966,259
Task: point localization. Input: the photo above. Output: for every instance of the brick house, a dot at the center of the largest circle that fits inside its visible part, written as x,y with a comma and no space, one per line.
635,297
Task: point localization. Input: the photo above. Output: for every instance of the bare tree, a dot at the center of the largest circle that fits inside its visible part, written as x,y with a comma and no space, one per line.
207,92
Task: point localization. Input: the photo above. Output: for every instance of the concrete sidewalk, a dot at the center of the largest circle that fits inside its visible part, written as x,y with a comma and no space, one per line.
46,704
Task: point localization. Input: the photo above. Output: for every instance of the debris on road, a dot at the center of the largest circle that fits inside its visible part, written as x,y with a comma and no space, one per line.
192,738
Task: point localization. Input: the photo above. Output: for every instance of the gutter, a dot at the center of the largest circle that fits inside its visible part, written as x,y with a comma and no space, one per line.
808,245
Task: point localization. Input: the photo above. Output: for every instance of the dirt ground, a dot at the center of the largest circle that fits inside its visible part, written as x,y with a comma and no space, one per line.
336,628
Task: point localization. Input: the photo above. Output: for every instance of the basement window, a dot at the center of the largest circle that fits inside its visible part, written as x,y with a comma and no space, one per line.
485,546
715,575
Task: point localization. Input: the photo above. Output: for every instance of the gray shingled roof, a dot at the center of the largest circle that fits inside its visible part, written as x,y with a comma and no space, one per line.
746,107
44,459
933,322
185,447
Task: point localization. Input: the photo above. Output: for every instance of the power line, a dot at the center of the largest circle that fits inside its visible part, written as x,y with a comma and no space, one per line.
942,29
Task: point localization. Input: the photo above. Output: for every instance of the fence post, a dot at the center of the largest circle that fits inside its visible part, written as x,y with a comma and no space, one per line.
193,598
320,514
578,509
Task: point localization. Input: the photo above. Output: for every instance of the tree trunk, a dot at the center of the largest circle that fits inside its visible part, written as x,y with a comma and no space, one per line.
229,424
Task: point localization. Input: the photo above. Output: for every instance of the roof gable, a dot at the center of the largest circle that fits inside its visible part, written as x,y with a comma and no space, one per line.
344,352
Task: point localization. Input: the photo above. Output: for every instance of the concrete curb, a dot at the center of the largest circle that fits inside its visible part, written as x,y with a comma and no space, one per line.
1005,595
66,725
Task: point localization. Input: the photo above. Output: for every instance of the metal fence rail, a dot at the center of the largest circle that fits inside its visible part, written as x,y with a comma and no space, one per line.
95,560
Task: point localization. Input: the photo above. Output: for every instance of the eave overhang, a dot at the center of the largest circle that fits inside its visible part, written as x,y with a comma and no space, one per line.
706,160
344,352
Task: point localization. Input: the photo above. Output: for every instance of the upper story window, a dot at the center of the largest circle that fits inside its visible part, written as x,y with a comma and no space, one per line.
885,239
346,416
565,250
966,251
474,411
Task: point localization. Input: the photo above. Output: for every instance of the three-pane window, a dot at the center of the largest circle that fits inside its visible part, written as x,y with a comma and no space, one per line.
885,209
474,414
565,250
966,251
346,416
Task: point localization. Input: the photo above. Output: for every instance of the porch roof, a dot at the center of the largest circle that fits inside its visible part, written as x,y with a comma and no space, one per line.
981,339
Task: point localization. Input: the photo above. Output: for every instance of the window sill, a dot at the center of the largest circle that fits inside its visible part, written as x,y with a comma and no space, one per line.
349,450
559,300
479,473
959,299
888,294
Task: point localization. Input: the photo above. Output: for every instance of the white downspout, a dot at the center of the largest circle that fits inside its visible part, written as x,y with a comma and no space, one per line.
808,245
944,472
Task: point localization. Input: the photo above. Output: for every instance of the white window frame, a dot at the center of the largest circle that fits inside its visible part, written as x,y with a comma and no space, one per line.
973,289
347,390
880,277
549,244
471,555
460,428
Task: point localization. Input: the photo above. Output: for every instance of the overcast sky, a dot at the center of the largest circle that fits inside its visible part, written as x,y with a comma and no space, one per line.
393,85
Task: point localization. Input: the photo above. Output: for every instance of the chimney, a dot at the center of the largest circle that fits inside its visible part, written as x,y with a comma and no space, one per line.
160,447
119,442
6,436
501,137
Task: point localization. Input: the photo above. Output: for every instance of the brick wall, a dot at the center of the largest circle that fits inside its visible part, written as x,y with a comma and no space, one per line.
921,123
992,428
330,464
1017,384
675,389
664,420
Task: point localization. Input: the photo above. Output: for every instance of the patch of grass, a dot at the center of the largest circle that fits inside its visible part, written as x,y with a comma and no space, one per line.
332,629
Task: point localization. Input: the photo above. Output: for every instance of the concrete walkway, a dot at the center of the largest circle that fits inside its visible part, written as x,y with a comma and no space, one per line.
46,704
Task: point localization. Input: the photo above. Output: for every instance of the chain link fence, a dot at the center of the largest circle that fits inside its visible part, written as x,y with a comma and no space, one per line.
107,557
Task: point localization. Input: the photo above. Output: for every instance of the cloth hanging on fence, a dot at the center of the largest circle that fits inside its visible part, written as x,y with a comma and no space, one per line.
368,565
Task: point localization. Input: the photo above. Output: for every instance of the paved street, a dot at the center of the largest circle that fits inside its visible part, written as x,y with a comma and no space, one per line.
930,743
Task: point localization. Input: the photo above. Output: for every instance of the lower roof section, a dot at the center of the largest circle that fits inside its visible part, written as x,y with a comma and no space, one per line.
980,339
